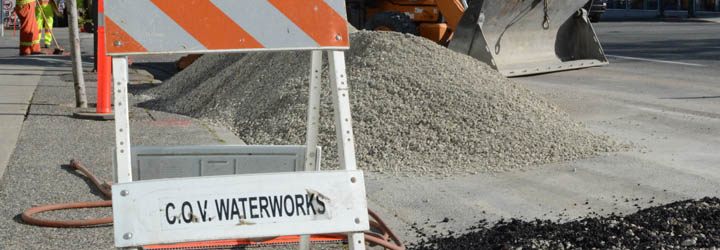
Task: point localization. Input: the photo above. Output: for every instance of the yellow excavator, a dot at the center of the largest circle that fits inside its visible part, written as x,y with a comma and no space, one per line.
516,37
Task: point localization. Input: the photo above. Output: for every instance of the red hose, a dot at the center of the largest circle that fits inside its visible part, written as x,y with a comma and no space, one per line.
386,230
75,165
104,187
382,238
27,215
384,243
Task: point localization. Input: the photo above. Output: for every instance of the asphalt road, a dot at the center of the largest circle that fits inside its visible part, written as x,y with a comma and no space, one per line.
673,65
670,64
660,93
695,44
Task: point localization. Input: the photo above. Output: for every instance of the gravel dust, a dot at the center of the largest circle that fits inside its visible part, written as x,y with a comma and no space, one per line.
418,108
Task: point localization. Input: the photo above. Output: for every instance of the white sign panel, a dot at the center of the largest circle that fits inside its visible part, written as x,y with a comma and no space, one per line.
244,206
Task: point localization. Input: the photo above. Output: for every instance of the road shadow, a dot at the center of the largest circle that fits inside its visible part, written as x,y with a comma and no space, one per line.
23,74
18,219
678,49
36,114
667,19
42,61
37,61
30,69
160,70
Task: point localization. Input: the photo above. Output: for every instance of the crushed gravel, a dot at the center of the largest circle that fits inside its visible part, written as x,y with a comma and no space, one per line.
418,108
689,224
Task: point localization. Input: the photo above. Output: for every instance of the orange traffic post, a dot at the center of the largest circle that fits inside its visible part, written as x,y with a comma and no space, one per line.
104,66
103,110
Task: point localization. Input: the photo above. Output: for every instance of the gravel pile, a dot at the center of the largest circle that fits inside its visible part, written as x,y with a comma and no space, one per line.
418,108
690,224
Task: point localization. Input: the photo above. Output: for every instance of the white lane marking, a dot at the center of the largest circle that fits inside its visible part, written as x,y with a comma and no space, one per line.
657,61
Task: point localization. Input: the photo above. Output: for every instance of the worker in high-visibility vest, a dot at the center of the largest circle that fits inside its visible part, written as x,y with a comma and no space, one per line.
45,13
29,36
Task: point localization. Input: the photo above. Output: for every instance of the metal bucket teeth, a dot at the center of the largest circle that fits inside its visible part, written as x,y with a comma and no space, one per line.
513,37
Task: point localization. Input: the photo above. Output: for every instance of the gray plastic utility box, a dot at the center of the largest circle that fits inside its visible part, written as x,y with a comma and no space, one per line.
157,162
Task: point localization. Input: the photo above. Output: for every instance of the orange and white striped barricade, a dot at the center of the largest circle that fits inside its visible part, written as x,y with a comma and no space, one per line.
240,206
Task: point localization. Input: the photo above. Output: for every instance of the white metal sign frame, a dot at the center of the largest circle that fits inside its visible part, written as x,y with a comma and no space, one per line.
345,144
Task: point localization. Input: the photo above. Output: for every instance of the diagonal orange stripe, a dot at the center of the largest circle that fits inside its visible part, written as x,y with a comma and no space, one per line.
317,19
208,24
114,33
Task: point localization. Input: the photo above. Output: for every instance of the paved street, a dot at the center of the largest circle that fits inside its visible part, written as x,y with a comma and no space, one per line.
668,66
660,93
678,43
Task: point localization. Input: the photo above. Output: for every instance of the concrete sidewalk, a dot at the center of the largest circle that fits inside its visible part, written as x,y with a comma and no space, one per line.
20,76
16,90
39,137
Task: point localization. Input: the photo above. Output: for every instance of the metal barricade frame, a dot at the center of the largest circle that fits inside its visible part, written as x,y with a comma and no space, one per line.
344,189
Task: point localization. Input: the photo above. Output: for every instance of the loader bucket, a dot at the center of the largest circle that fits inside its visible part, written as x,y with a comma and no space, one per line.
513,37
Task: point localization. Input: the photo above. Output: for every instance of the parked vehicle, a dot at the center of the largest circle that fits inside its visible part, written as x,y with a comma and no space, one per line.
596,8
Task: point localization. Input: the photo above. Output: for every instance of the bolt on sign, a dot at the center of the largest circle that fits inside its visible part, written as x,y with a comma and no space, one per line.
191,209
201,26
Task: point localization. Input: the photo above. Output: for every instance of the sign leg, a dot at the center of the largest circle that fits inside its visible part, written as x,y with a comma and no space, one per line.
313,123
343,127
341,103
122,120
313,115
356,241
